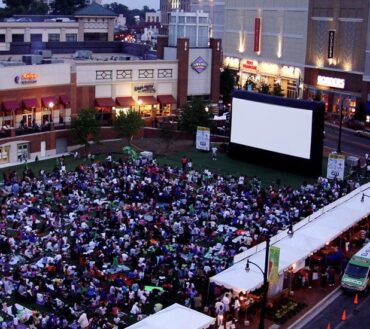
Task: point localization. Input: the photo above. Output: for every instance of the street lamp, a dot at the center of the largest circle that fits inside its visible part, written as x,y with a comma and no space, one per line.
265,287
51,105
363,197
340,125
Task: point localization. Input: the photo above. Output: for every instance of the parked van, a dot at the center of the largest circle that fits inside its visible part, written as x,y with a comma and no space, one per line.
356,274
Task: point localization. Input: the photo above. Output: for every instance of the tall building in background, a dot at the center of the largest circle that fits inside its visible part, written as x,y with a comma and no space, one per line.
167,6
216,12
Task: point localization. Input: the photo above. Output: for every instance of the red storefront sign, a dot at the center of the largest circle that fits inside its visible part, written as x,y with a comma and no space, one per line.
250,65
257,34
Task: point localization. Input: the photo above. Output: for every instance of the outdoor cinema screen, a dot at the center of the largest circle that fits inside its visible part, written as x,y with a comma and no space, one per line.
279,131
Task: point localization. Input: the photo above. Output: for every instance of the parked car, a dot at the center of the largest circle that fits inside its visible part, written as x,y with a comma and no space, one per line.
363,133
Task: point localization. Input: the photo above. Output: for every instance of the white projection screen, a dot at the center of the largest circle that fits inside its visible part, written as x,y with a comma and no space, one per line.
271,127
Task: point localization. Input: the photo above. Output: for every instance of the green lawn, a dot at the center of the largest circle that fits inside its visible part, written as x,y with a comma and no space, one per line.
201,160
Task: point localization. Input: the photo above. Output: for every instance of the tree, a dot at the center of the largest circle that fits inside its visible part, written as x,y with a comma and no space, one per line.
85,127
167,134
66,7
194,114
227,83
128,124
264,88
23,7
360,113
277,90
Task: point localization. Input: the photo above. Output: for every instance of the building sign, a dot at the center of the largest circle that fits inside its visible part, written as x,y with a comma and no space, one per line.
257,34
149,89
199,65
26,78
330,82
336,164
249,64
232,63
331,44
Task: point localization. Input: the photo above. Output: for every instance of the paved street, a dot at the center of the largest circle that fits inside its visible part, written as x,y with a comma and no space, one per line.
351,143
357,317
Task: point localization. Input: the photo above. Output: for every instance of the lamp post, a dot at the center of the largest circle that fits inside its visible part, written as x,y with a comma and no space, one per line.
265,287
51,105
340,125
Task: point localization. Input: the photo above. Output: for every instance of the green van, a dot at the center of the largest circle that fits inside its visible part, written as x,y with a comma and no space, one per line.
356,274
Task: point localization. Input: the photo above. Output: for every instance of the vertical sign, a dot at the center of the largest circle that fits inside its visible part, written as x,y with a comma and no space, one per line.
273,270
203,138
336,164
257,34
331,44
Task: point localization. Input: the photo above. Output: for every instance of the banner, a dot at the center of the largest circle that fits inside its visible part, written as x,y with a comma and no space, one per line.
257,34
336,164
273,270
203,139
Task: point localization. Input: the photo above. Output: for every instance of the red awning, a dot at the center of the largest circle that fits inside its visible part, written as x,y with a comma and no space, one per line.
10,105
46,101
125,101
30,103
166,99
147,100
104,102
64,99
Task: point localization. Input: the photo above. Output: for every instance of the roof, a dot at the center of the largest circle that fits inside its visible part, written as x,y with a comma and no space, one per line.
183,317
364,252
310,235
94,10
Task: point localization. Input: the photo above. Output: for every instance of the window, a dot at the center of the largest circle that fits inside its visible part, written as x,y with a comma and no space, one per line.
22,152
17,37
96,36
146,74
53,37
4,154
2,37
104,75
71,37
191,19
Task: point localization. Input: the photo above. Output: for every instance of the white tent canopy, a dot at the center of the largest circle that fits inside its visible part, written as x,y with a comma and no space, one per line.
175,316
310,235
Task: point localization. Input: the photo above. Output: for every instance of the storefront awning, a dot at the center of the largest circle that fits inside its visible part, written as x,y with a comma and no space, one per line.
125,101
166,99
64,99
30,103
147,100
49,101
104,102
10,105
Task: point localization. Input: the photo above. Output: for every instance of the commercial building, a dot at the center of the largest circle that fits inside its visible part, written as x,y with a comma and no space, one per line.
266,42
337,65
166,7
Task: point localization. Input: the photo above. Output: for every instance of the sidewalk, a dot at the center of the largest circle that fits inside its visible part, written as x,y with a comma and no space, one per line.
311,297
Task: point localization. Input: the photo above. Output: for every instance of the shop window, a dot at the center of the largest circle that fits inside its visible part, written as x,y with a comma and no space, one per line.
36,37
4,154
96,36
53,37
22,152
71,37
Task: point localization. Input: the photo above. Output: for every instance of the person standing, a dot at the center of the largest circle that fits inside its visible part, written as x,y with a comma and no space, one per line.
214,153
184,162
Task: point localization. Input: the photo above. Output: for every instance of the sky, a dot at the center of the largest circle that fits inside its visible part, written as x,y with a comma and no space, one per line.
132,4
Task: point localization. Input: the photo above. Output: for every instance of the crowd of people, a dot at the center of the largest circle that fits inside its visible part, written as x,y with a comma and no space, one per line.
110,242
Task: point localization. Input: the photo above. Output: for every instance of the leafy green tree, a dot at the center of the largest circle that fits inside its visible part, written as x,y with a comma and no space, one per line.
23,7
119,8
264,88
227,83
128,124
66,7
360,113
277,90
194,114
85,127
167,134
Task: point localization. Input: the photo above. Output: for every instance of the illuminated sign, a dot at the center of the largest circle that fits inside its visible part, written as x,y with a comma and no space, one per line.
257,34
331,44
330,82
145,89
199,65
232,63
250,64
26,78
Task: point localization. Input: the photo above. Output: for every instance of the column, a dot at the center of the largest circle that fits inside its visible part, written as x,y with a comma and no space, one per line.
216,47
183,68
